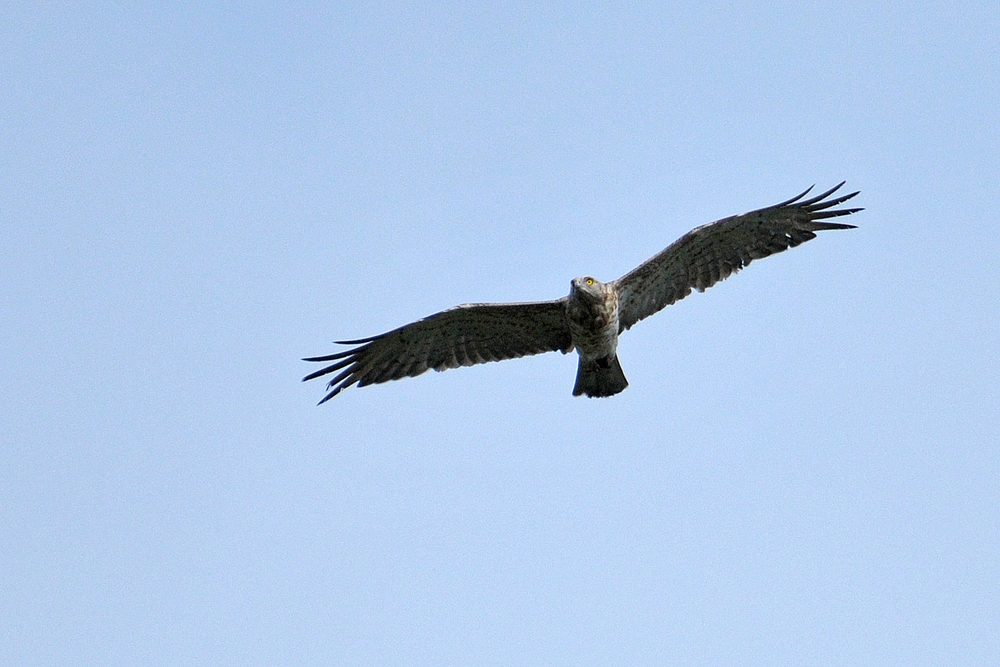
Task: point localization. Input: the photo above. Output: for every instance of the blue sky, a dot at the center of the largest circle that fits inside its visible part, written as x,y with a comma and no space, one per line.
804,471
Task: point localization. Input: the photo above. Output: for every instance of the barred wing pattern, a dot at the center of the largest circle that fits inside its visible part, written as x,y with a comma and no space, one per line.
461,336
713,252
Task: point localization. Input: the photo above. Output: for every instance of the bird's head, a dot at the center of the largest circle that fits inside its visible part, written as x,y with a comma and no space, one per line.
587,286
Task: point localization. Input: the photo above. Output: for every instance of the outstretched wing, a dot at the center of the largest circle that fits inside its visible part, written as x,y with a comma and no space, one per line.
712,252
469,334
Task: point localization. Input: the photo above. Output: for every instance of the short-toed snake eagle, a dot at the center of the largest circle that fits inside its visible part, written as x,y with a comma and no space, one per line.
591,317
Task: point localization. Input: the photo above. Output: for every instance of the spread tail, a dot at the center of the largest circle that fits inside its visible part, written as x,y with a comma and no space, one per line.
600,377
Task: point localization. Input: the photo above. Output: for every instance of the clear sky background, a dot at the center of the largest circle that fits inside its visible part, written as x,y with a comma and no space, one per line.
805,469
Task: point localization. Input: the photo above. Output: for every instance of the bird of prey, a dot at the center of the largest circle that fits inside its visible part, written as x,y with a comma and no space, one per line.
592,316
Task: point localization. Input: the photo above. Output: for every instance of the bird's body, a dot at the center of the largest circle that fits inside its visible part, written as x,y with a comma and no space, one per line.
593,315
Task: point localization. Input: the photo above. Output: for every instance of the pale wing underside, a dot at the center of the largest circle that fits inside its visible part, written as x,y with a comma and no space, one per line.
460,336
713,252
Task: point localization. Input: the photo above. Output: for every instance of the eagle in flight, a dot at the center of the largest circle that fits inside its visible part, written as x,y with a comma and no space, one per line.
592,316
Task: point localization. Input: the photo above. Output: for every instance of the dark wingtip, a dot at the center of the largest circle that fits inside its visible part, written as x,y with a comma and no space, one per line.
797,197
812,201
823,215
359,341
329,357
321,372
821,197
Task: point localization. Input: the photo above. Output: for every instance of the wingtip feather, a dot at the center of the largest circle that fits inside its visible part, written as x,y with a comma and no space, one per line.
797,197
819,198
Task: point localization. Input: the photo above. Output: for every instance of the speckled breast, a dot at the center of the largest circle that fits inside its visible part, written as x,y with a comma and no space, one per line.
594,324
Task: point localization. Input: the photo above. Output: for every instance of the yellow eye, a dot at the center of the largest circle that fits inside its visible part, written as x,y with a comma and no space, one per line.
590,281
